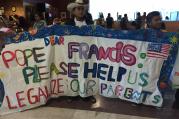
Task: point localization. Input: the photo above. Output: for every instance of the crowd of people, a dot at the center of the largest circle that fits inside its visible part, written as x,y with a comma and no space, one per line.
81,17
40,20
141,21
19,23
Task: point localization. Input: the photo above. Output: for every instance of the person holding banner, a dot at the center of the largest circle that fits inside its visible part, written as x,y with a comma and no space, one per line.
175,82
176,102
1,42
154,20
4,32
78,10
39,22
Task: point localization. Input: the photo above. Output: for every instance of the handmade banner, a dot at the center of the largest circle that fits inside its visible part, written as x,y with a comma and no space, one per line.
175,80
71,64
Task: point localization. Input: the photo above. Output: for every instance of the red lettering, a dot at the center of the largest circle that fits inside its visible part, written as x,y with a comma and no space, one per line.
52,40
52,86
61,40
103,54
8,56
42,94
119,47
123,53
29,93
59,86
47,92
111,54
19,100
9,104
128,58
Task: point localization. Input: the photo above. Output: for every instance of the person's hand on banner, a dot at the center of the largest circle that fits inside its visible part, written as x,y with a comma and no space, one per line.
32,31
163,82
163,85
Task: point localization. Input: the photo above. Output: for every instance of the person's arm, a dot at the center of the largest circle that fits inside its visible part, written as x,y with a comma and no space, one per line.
3,35
70,22
35,26
112,21
45,23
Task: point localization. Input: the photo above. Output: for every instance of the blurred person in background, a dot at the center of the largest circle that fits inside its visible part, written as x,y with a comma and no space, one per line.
167,18
22,23
88,16
109,21
39,22
56,21
144,16
126,25
100,21
124,22
138,21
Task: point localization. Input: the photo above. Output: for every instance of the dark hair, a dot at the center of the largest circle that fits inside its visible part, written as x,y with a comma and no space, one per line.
151,15
125,15
138,13
16,16
10,18
40,15
22,23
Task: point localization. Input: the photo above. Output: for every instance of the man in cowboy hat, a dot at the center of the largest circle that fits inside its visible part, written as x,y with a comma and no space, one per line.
78,10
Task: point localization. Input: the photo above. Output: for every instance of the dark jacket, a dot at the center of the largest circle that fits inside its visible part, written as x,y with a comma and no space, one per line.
72,22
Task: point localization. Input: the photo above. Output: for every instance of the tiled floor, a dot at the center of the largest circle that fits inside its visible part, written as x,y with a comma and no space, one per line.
118,106
61,113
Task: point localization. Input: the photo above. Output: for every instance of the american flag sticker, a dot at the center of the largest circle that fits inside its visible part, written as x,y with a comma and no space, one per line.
158,50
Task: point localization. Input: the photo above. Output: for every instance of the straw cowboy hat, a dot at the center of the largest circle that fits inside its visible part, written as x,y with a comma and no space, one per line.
77,3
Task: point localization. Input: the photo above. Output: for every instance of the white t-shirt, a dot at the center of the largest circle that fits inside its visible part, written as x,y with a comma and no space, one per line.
80,23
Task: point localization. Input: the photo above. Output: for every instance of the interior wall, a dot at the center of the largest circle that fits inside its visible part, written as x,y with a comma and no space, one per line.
172,26
8,4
